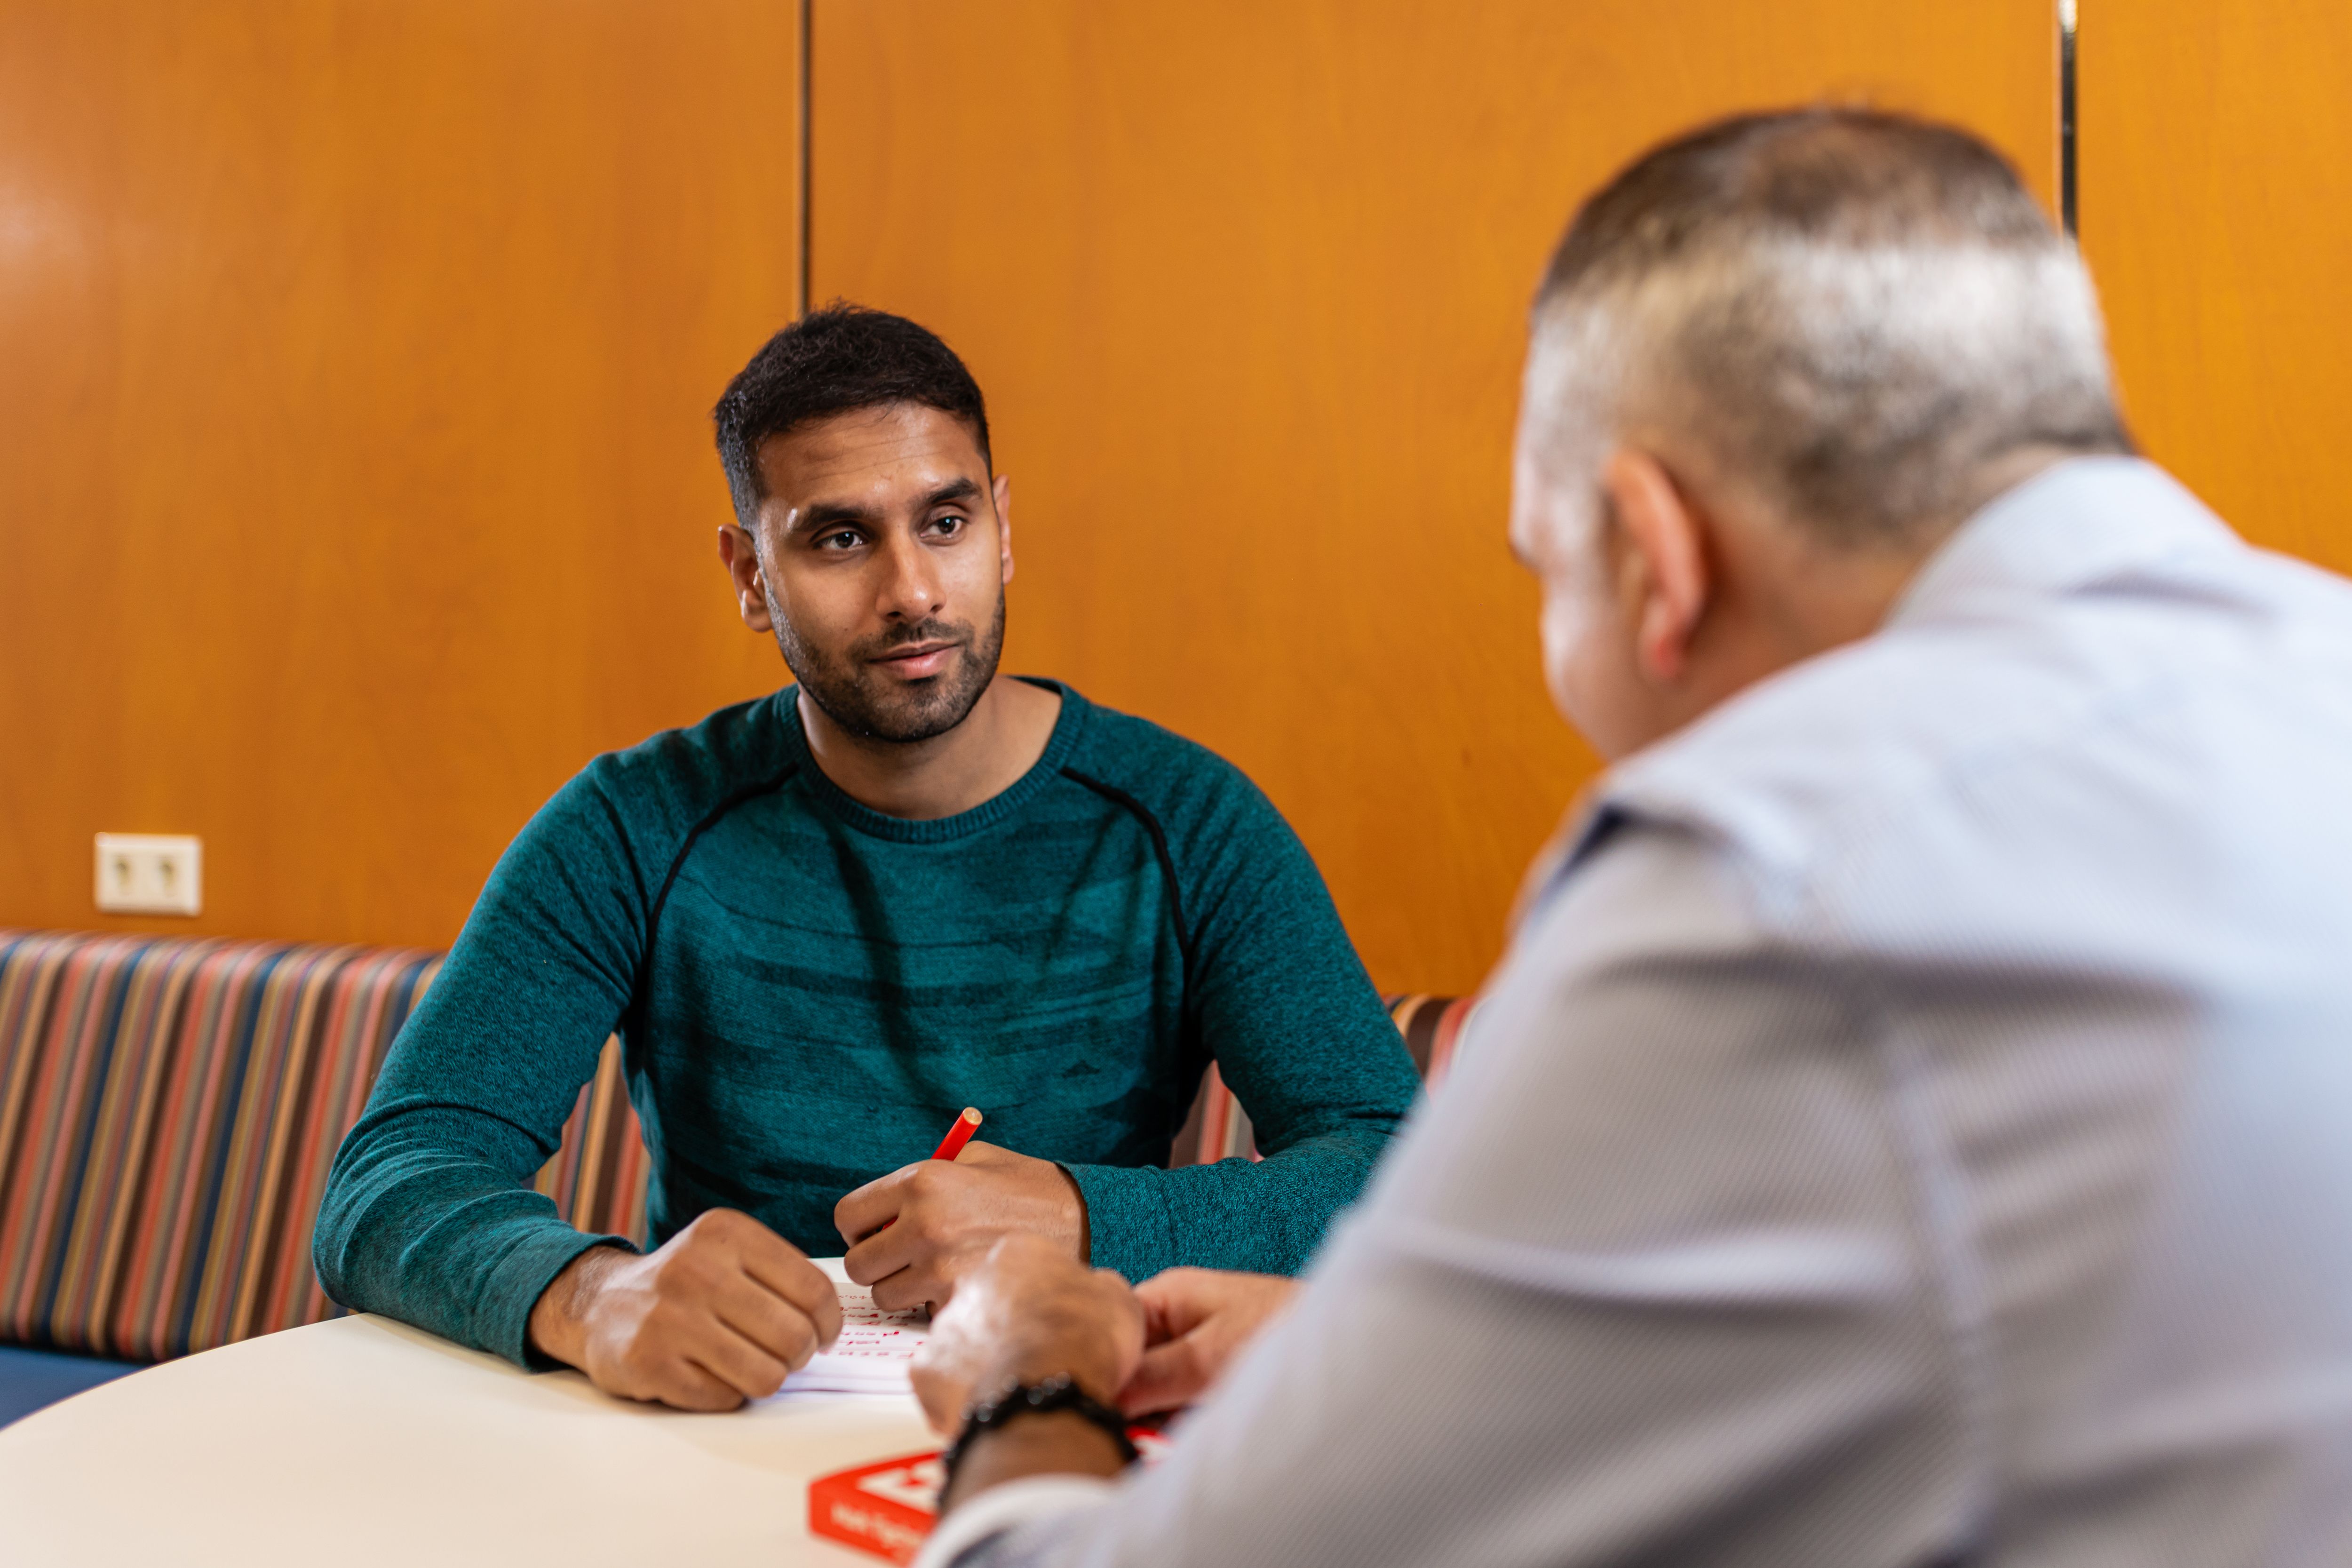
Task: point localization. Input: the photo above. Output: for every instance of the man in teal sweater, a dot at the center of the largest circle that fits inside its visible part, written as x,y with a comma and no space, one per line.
824,921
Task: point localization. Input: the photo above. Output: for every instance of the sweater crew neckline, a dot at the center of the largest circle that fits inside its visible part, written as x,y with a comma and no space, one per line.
996,808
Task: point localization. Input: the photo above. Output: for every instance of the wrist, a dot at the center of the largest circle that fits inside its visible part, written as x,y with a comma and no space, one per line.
1054,1442
1082,1234
558,1326
1046,1428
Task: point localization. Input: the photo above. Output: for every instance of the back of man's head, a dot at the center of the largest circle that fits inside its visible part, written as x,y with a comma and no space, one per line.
1851,313
833,361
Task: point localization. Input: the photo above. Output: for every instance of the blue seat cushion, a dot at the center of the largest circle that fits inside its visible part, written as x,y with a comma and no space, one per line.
31,1379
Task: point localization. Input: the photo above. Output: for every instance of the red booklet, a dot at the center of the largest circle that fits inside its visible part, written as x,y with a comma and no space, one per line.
884,1510
887,1508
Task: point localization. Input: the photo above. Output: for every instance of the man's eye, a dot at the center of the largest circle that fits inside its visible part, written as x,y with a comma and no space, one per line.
947,524
844,539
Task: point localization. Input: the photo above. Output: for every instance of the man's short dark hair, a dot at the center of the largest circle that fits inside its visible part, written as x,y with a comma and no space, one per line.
834,360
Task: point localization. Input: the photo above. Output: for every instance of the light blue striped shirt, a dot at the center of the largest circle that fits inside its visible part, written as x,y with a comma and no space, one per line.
1915,1124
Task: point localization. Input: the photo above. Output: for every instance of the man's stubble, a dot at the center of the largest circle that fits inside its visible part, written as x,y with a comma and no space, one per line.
869,706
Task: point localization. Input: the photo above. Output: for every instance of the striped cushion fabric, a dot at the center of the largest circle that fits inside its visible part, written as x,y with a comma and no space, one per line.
1432,1028
168,1111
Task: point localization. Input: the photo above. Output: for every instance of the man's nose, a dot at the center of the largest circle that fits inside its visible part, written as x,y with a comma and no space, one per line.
911,585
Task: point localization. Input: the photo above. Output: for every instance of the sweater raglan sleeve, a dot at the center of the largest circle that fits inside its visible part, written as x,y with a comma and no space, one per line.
428,1216
1284,1006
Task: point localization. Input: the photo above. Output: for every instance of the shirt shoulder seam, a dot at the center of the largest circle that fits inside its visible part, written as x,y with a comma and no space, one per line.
1159,835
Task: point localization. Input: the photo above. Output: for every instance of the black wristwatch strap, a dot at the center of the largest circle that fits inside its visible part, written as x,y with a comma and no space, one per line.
1035,1399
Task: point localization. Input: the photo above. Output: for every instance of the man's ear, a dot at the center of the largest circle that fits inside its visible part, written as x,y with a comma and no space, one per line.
1003,490
1663,577
741,556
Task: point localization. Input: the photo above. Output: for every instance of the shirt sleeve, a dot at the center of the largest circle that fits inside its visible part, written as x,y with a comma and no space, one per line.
1283,1003
428,1216
1646,1282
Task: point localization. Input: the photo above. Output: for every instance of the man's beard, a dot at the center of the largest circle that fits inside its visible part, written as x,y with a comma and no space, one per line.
875,707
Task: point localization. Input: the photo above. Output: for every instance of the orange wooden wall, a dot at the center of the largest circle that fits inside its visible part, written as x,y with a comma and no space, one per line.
2216,177
354,484
1244,285
355,481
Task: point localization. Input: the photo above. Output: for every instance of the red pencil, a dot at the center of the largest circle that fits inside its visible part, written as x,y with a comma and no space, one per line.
959,1135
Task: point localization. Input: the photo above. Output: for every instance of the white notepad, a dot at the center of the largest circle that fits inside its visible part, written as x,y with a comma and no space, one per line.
874,1349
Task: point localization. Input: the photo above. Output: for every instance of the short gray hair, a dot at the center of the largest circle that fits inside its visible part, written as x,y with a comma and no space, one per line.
1850,312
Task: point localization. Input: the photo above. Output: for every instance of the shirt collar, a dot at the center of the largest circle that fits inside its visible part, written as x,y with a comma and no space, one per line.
2081,522
2076,522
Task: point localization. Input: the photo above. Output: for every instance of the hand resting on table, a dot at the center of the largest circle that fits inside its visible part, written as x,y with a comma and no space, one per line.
718,1314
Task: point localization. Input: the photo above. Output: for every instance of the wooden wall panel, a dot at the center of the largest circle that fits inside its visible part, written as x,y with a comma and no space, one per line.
355,478
2216,210
1245,284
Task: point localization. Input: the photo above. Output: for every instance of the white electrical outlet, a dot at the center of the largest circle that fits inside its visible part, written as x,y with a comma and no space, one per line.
151,874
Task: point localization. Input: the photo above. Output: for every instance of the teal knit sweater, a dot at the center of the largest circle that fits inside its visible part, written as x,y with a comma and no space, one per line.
808,991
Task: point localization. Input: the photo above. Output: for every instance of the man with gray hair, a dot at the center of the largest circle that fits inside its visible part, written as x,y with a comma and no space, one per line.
1908,1127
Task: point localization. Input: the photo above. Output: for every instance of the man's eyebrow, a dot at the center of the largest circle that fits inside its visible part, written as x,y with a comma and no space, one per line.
824,514
954,489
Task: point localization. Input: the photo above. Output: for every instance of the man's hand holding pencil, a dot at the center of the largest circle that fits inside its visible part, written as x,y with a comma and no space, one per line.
913,1233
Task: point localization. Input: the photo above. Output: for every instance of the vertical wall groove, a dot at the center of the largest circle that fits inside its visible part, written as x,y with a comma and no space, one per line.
808,163
2066,185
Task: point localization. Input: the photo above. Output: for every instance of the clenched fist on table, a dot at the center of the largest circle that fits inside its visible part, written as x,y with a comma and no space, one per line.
718,1314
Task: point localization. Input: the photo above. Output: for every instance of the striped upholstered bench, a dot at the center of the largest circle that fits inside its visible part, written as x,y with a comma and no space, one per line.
168,1108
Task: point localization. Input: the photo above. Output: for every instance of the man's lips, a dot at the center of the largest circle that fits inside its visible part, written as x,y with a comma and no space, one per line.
918,661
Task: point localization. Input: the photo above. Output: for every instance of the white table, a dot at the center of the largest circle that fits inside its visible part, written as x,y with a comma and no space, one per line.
364,1441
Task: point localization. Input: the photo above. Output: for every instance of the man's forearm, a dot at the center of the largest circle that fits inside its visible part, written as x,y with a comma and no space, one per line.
423,1220
1266,1217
